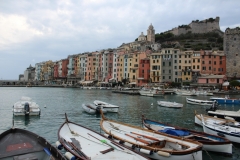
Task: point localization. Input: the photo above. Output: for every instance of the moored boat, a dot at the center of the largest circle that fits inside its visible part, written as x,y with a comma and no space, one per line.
210,142
84,144
92,109
26,107
106,106
153,144
184,92
224,113
150,92
20,144
199,102
226,100
170,104
230,132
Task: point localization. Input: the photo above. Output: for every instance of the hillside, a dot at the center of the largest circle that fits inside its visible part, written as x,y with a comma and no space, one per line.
194,41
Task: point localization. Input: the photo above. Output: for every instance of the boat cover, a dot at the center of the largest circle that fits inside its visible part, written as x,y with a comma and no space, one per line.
175,132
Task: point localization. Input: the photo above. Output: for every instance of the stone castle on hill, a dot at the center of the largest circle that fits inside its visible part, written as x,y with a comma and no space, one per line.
204,26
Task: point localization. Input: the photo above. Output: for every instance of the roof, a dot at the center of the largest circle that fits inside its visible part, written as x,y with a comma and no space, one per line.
212,76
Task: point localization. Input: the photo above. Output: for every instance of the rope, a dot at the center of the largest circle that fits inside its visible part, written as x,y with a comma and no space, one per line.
207,154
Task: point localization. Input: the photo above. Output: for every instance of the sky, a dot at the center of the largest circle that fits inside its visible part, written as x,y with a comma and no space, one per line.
42,30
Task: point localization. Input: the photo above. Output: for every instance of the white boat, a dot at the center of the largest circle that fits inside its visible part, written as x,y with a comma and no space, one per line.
210,142
106,106
149,92
227,121
184,92
153,144
224,113
170,104
85,144
25,106
227,131
204,93
199,102
92,109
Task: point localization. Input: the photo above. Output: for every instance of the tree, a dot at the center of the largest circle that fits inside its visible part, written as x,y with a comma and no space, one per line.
234,83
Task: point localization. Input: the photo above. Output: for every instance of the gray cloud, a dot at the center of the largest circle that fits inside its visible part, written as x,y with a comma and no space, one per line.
36,31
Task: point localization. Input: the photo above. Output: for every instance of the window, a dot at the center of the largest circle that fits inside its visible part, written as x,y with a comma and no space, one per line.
176,73
185,56
194,67
203,62
175,67
197,66
202,57
153,61
193,60
169,77
163,77
142,71
189,61
210,68
198,60
179,61
169,71
214,62
179,67
179,56
130,64
209,62
175,61
169,63
163,63
163,71
185,61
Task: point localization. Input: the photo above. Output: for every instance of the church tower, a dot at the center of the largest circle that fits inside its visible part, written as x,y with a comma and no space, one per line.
151,34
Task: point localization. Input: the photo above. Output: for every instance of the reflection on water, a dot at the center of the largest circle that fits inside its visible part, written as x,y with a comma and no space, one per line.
24,120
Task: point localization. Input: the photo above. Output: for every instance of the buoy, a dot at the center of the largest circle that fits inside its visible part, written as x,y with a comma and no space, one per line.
145,151
69,156
128,144
151,104
59,145
165,154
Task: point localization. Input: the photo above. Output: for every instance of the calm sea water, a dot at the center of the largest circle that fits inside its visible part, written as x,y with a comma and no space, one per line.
55,102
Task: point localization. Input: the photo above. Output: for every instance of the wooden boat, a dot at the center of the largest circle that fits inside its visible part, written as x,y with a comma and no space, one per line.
226,100
20,144
92,109
226,121
224,113
227,131
199,102
85,144
150,92
26,107
170,104
210,142
106,106
153,144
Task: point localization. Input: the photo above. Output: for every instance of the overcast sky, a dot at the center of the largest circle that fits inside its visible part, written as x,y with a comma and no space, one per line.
42,30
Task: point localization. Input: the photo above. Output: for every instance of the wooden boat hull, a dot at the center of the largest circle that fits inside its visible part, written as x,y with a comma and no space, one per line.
85,143
23,144
162,146
210,142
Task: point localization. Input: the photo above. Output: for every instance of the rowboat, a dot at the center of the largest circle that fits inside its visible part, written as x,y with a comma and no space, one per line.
170,104
153,144
224,113
210,142
226,100
227,131
92,109
106,106
20,144
26,107
199,102
85,144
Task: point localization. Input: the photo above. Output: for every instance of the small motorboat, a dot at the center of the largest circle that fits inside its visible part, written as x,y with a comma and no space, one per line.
150,92
226,100
92,109
184,92
235,115
106,106
26,107
170,104
153,144
20,144
85,144
210,142
199,102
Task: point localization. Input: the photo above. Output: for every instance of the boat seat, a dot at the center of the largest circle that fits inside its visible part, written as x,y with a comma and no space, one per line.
189,136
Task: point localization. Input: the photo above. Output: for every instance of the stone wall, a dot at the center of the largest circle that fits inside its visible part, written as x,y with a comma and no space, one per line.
232,50
198,27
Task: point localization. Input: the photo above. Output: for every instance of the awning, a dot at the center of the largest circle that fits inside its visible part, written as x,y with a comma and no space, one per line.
132,83
140,78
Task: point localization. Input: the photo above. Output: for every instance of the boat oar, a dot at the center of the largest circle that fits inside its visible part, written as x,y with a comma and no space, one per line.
48,153
138,139
103,141
148,137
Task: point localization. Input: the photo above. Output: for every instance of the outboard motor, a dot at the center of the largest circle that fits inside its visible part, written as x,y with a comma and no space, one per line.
26,108
98,110
213,107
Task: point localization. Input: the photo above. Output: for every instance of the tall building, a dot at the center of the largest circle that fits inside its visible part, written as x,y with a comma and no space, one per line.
151,34
232,50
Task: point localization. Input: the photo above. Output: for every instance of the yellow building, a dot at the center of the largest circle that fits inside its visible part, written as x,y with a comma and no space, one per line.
196,65
155,67
120,66
185,63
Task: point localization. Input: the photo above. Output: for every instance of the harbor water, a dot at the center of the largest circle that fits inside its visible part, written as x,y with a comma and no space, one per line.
55,102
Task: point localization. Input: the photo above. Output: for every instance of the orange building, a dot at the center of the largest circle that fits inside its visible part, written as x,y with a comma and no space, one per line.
144,71
213,62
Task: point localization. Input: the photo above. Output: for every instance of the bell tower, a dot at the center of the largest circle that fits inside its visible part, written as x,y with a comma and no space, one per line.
151,34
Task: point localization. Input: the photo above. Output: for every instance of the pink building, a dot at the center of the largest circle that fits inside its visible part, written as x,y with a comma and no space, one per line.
212,80
144,72
55,72
64,68
110,66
